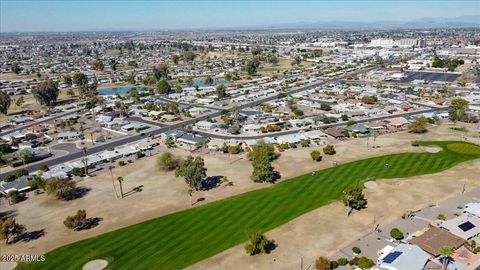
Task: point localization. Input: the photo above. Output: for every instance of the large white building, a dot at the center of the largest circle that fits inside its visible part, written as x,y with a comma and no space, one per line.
403,43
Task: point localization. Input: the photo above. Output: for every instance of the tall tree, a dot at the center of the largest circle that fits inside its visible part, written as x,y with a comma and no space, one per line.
85,159
163,87
79,79
67,79
9,228
193,170
161,72
16,68
5,101
446,252
87,91
252,65
46,93
418,125
188,56
175,58
458,108
263,171
120,182
353,198
261,156
113,64
98,65
221,91
61,188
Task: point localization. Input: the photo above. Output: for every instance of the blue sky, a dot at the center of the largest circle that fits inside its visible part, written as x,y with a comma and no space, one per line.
65,15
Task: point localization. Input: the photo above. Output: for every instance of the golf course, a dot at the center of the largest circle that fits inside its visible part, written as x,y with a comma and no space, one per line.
181,239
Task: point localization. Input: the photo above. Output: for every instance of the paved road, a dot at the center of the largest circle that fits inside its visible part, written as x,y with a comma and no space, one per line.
34,123
294,131
162,129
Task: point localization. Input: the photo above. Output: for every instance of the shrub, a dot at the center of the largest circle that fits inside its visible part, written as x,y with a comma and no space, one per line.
441,217
168,162
20,173
36,183
77,221
9,178
15,196
323,263
342,261
356,250
234,149
258,243
305,143
77,171
396,234
139,155
44,168
315,154
329,150
121,163
365,263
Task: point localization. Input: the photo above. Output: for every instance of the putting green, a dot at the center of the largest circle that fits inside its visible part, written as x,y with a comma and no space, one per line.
463,148
181,239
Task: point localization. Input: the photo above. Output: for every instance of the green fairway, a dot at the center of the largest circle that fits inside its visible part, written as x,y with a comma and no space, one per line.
181,239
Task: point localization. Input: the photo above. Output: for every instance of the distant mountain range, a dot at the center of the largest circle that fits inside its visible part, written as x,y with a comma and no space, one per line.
464,21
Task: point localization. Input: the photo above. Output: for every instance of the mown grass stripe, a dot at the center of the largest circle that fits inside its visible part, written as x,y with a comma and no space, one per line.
180,239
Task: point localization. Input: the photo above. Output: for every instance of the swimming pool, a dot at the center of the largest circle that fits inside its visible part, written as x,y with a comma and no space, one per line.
120,90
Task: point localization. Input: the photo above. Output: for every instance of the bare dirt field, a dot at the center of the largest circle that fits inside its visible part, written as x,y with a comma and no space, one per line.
320,232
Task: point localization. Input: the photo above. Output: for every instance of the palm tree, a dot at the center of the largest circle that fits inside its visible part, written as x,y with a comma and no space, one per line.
85,165
446,252
120,180
85,159
110,168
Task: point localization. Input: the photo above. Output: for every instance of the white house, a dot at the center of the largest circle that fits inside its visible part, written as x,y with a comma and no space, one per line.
206,125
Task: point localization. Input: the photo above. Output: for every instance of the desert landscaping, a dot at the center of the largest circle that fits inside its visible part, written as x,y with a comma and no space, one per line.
162,193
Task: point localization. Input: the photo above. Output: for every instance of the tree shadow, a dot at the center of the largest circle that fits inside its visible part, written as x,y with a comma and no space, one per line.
78,193
91,223
199,200
211,182
270,246
133,191
8,214
30,236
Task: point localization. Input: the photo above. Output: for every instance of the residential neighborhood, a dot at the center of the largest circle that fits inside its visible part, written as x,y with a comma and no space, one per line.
311,135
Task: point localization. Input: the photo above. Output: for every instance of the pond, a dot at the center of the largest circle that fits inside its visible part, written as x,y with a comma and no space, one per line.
120,90
201,83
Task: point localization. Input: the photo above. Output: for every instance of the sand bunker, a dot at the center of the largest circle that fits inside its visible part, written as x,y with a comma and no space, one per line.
7,265
370,184
433,149
95,265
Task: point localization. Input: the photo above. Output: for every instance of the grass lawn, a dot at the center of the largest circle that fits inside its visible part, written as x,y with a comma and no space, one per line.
181,239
